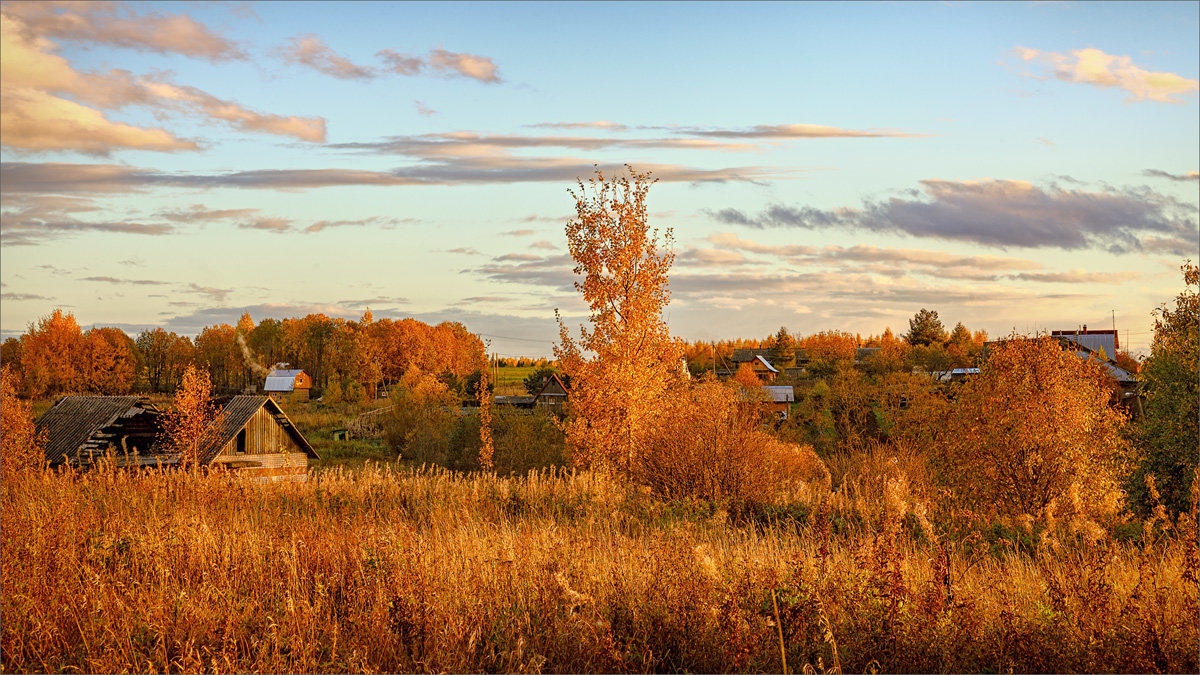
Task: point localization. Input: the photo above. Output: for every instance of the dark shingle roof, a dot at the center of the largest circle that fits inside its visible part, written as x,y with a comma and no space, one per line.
73,421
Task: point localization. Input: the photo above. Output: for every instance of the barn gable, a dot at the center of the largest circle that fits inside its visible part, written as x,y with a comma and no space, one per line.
253,425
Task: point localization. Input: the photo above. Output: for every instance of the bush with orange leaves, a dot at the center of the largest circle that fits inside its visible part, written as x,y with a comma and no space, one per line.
1034,427
709,442
20,447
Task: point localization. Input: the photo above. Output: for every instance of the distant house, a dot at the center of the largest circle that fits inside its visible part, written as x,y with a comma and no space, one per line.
250,434
79,428
780,400
553,394
284,382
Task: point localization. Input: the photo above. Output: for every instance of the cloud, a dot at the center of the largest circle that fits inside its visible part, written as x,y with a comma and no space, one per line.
712,257
1078,276
20,297
553,271
125,282
1094,67
1004,213
789,131
217,294
48,105
517,233
1188,176
444,63
29,220
465,251
309,50
367,303
361,222
198,213
601,124
469,143
730,241
517,257
58,178
424,110
475,67
276,225
117,24
544,244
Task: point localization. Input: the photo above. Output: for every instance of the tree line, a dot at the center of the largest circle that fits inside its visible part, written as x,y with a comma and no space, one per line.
351,358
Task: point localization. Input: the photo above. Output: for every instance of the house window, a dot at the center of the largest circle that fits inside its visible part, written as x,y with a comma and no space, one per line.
241,442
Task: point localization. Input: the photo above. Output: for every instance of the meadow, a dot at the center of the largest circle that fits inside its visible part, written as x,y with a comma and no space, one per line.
393,568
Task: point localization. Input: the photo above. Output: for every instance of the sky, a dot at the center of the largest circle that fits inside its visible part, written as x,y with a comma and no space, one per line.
821,166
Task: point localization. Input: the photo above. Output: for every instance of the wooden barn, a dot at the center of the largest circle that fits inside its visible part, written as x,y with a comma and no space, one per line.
283,382
80,428
553,394
251,434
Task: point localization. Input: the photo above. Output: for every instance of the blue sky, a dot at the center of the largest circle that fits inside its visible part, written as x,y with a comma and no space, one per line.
1027,166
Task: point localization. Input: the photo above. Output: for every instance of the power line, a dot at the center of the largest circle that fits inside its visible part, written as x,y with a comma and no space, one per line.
505,337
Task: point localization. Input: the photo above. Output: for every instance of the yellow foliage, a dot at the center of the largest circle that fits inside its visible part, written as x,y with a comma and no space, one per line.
621,367
1034,427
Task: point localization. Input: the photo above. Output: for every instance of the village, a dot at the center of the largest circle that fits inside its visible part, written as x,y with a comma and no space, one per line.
251,433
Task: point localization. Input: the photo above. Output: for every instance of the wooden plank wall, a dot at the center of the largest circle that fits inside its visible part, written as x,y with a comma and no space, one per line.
275,456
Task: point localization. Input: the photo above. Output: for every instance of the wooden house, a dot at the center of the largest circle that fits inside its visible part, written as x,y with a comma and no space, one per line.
251,434
552,396
80,428
779,400
283,382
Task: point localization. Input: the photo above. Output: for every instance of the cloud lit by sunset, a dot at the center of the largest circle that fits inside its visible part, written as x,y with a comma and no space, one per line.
834,166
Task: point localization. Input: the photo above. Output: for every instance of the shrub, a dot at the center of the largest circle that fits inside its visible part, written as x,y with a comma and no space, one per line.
1033,427
709,443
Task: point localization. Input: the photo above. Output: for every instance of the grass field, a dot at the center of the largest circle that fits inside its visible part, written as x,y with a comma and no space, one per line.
381,569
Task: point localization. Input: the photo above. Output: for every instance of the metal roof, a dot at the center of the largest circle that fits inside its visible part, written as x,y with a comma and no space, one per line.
73,420
1094,342
781,394
279,382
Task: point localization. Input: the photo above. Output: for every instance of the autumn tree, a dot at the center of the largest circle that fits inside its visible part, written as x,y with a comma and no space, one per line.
746,377
1168,433
1034,426
187,423
20,447
622,367
109,362
51,354
925,328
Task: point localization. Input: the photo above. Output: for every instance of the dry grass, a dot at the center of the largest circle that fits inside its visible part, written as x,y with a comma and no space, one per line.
381,570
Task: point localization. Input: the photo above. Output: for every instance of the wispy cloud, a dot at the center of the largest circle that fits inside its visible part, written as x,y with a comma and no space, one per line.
792,131
198,213
1094,67
216,294
22,297
443,63
48,105
125,282
311,51
517,233
1078,276
1004,213
1187,176
119,24
424,110
63,178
